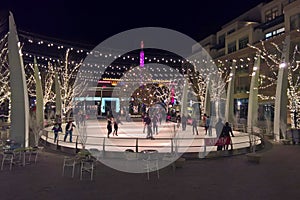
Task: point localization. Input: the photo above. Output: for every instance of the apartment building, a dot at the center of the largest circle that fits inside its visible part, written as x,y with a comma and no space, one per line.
237,43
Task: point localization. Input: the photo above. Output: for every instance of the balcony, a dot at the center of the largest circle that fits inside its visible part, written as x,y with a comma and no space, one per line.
269,24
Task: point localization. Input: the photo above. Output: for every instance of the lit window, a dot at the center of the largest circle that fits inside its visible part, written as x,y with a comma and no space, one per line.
274,33
271,14
268,35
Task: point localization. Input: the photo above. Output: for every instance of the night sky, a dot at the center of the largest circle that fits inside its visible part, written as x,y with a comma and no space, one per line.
92,22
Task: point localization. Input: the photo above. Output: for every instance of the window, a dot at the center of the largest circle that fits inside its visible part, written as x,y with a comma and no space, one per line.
232,47
231,31
222,39
268,35
243,42
295,22
271,14
274,33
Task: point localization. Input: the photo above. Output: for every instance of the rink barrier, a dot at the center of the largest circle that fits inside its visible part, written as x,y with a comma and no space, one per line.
198,150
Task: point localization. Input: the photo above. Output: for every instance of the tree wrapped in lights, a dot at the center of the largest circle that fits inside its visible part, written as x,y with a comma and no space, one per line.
294,88
47,78
4,75
217,90
272,57
69,90
66,76
198,83
161,93
48,81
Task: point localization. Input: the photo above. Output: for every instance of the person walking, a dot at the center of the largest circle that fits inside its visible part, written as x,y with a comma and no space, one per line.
116,127
194,124
69,130
56,128
226,131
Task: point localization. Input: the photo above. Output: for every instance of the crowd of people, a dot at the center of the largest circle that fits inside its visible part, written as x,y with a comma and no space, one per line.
151,122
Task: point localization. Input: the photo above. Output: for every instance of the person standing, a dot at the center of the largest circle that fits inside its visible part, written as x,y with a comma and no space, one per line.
144,117
183,122
178,121
208,126
69,130
56,128
226,131
219,127
160,117
204,119
154,124
58,120
147,121
194,124
109,127
78,119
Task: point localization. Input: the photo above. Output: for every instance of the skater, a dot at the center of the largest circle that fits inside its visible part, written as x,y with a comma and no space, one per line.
154,124
208,126
183,122
116,126
56,128
69,130
194,124
147,122
178,121
227,130
219,127
109,127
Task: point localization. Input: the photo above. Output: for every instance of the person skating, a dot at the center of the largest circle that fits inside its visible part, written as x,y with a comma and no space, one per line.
109,127
69,130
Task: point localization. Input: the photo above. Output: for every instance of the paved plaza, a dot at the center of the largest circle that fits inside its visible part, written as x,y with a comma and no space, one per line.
275,177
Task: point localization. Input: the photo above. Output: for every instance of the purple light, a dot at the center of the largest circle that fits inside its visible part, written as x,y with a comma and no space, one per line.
142,58
172,95
142,55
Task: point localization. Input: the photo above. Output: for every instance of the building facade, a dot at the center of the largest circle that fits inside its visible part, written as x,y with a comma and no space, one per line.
259,32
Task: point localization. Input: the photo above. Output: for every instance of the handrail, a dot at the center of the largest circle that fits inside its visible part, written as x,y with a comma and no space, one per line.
137,145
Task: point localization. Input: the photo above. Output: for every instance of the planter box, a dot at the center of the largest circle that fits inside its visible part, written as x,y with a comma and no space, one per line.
253,157
286,142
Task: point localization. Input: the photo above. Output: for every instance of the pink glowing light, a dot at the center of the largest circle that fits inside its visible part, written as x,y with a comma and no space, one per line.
172,95
142,55
142,58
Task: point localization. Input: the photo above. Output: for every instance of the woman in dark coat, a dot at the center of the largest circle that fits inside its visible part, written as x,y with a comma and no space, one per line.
109,127
227,130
